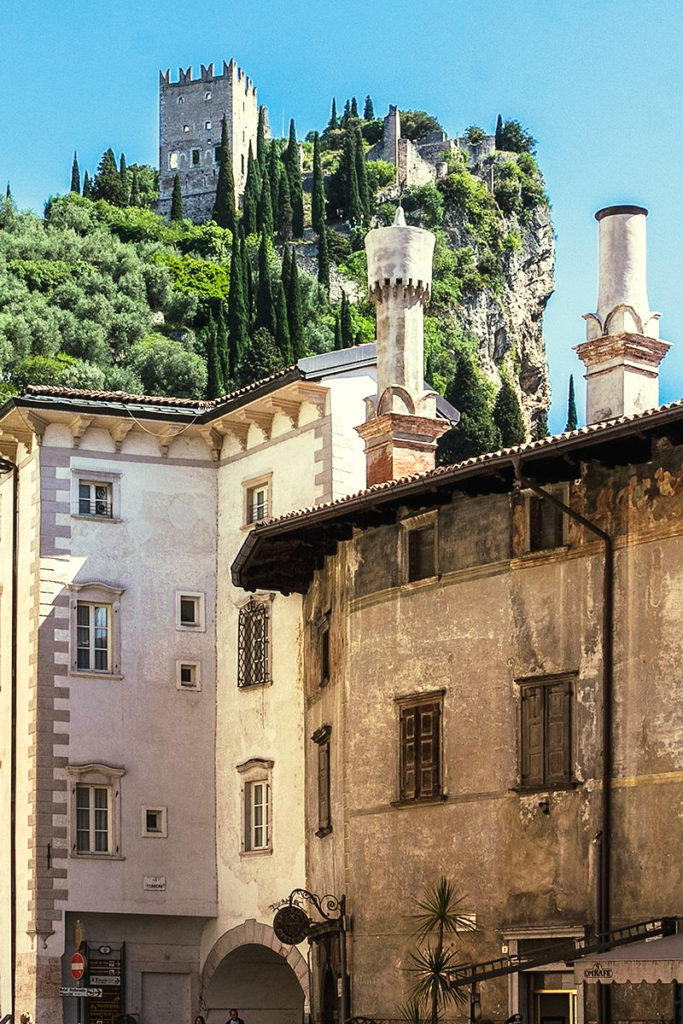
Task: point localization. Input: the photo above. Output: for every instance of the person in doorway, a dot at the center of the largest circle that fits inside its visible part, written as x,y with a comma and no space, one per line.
234,1018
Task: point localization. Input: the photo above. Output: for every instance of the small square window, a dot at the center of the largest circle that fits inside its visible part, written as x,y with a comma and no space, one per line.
186,127
195,157
94,499
180,101
190,611
207,95
154,822
173,161
188,675
208,125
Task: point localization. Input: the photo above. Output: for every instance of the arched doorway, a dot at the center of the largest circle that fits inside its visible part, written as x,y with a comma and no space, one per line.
250,969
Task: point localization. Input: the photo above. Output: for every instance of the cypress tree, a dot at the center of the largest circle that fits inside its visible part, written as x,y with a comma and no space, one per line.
323,260
337,333
107,183
362,176
274,172
476,432
295,312
295,187
75,176
368,110
260,359
354,107
238,320
286,268
223,345
135,197
265,208
333,122
214,383
353,210
318,189
247,284
572,419
346,322
284,209
499,132
282,325
261,144
507,416
251,197
264,296
177,199
87,187
541,428
347,112
123,174
224,206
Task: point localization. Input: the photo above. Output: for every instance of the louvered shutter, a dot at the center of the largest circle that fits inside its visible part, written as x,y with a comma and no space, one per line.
558,733
429,750
409,723
532,736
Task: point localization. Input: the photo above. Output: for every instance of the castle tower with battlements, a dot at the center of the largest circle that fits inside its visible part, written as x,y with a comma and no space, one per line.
190,113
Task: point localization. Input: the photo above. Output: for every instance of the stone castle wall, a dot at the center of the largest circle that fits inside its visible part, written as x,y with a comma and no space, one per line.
190,113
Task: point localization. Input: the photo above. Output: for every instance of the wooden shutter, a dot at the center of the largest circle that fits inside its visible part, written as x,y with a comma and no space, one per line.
429,750
532,736
409,720
558,733
323,786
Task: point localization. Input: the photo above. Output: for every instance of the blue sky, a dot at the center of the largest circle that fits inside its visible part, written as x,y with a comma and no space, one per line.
598,83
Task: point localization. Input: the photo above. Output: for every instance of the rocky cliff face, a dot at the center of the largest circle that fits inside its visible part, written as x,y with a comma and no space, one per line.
508,321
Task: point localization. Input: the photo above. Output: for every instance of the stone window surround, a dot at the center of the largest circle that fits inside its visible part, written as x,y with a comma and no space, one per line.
199,626
265,480
96,774
82,474
197,666
407,525
256,769
162,832
96,592
559,490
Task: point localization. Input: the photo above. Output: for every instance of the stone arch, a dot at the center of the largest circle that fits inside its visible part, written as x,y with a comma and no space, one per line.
254,932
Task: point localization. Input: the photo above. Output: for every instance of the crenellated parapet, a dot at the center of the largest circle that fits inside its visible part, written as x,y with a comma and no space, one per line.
230,70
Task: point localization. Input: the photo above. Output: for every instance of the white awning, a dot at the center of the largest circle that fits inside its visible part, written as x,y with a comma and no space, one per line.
653,960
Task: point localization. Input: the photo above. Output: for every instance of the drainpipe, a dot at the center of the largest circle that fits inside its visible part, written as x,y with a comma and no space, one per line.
603,906
9,467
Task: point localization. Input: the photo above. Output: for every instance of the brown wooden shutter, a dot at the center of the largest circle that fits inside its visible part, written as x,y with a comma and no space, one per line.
429,750
532,736
409,728
324,786
558,733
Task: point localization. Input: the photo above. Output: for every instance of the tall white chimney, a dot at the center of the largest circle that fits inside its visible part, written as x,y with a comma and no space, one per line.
623,351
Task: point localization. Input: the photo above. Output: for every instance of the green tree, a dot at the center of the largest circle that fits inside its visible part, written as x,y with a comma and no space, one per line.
338,343
499,132
323,259
295,185
282,325
439,915
354,107
177,199
167,367
362,177
135,197
572,418
107,183
87,187
368,110
223,344
295,311
541,426
123,175
75,176
347,113
285,213
214,381
274,171
516,139
346,322
265,208
252,191
261,143
260,359
224,205
333,123
507,416
265,313
238,320
247,283
286,268
475,433
318,188
415,124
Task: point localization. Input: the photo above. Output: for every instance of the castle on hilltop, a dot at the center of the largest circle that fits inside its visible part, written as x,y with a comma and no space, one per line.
190,114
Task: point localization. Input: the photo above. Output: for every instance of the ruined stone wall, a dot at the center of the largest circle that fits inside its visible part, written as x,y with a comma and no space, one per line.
496,614
190,113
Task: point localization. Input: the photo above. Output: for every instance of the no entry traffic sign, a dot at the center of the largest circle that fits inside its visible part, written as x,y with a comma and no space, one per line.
77,966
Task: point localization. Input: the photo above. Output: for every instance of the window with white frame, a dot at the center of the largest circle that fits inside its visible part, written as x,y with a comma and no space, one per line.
190,610
154,822
257,498
256,805
95,809
95,494
188,675
94,499
95,639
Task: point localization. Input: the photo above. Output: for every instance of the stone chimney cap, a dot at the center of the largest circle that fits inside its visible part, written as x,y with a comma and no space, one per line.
612,211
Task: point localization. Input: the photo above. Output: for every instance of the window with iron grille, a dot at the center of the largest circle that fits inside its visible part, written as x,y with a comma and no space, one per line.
420,750
545,732
94,499
252,644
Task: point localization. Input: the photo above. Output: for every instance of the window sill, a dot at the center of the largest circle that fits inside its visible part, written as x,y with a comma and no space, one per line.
190,627
254,686
531,790
426,581
420,801
530,556
81,673
267,852
97,519
96,856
